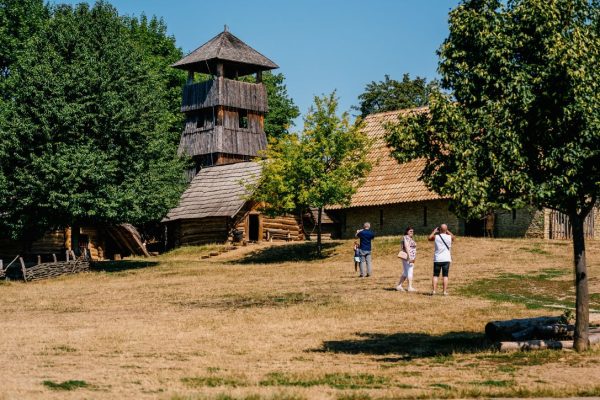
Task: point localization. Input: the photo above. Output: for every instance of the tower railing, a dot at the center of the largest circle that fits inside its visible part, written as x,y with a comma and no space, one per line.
224,92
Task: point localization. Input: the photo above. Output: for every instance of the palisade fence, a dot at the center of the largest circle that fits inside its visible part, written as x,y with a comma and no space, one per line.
18,268
560,226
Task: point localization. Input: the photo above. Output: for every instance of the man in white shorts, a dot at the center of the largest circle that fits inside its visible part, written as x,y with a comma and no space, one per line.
442,257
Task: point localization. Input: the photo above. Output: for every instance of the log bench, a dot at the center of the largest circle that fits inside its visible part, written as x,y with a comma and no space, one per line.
283,234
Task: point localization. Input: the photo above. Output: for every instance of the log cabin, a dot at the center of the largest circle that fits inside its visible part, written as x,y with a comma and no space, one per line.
101,242
224,135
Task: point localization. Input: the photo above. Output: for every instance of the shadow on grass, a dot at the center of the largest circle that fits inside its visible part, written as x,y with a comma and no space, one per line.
290,252
406,346
123,265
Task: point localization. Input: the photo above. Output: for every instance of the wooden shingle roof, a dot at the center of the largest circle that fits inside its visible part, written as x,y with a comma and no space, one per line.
389,182
218,191
225,47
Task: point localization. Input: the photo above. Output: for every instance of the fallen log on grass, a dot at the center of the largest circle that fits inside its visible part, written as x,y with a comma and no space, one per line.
503,330
544,344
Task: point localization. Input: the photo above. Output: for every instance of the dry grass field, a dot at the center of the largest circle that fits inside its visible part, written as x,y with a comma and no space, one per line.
266,322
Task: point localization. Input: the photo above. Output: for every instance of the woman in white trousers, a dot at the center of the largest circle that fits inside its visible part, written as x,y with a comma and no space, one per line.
410,247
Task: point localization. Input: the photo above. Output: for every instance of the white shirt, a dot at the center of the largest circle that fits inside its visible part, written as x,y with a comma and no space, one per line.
442,253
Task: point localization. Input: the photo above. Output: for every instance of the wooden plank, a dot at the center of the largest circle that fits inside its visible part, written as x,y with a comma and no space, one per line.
23,269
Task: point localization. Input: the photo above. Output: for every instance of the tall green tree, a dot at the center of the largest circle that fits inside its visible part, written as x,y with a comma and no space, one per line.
524,126
20,23
160,52
324,165
390,94
92,127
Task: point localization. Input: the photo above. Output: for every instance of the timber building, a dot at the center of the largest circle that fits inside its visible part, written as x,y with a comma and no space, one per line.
393,198
223,134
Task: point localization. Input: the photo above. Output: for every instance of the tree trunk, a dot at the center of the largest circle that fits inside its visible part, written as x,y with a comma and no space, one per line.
581,340
319,245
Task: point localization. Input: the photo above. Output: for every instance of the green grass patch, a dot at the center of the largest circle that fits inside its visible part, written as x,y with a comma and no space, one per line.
66,385
192,251
534,250
262,300
507,369
294,252
224,396
64,349
494,383
212,381
539,357
354,396
547,288
334,380
441,386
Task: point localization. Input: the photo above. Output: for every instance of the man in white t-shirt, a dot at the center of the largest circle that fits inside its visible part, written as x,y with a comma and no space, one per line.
442,257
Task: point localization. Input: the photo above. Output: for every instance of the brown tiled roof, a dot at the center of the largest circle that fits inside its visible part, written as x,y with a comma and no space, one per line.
225,47
389,182
218,191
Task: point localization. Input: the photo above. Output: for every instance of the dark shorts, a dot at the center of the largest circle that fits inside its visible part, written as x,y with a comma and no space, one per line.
441,266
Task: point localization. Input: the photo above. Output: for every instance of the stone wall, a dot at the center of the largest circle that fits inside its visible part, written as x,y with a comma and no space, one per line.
524,222
393,219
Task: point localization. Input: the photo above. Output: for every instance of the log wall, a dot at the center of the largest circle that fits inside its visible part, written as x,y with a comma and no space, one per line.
190,232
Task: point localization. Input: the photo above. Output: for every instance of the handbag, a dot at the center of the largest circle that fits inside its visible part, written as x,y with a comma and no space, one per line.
402,254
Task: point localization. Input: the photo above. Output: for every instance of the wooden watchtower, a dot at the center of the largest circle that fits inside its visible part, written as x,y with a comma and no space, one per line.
224,131
224,115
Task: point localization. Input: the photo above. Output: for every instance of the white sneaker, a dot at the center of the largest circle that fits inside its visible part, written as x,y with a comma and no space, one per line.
433,292
412,289
400,288
445,293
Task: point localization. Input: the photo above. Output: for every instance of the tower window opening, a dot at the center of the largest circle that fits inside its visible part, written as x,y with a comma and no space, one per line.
200,121
243,119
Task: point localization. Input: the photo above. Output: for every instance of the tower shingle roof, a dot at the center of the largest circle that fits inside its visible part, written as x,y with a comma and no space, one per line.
228,48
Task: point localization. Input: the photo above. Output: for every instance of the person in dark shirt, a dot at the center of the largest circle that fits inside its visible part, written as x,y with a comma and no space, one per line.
365,236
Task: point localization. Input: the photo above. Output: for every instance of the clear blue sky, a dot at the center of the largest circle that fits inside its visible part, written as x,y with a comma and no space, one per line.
320,45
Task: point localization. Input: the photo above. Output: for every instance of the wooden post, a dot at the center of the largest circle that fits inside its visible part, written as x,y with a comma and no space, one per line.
54,258
190,78
1,265
259,77
68,238
67,256
39,260
220,70
23,270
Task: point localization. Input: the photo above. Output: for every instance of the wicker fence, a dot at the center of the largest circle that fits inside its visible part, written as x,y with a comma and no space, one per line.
18,269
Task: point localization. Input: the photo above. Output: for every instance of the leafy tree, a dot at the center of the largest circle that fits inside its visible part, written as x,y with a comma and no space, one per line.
91,126
390,95
20,22
524,127
160,51
322,166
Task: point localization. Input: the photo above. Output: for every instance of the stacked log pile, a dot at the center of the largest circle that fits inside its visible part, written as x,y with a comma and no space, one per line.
286,227
538,333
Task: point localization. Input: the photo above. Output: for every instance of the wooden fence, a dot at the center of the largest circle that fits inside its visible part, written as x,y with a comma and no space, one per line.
560,226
